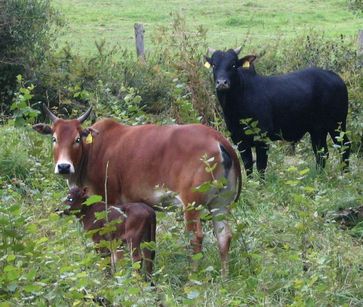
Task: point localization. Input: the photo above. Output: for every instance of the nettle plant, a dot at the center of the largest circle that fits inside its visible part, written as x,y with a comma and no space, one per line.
22,106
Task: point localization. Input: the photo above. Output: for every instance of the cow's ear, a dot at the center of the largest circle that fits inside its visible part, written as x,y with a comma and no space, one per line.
207,61
43,128
246,61
89,133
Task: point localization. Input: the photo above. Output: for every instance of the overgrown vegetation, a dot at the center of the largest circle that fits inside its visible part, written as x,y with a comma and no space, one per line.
25,38
287,247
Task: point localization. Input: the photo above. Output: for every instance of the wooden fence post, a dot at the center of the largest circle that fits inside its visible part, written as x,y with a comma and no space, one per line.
360,41
139,39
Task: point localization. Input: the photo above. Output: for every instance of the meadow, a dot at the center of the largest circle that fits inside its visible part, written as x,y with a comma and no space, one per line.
229,23
288,246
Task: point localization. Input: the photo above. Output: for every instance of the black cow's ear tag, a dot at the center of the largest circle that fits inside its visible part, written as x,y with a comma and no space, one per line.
246,64
206,65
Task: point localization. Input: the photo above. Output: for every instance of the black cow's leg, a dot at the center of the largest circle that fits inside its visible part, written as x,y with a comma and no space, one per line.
261,158
318,141
246,155
344,143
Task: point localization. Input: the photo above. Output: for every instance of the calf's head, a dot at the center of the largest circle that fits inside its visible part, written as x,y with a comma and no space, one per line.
75,199
68,140
225,66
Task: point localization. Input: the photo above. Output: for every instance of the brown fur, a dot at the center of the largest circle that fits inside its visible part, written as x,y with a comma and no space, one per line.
140,158
137,224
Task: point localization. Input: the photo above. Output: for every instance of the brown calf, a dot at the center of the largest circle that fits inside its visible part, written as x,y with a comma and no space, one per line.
135,223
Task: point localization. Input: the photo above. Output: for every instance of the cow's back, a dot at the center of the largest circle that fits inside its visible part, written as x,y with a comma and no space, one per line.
292,104
149,159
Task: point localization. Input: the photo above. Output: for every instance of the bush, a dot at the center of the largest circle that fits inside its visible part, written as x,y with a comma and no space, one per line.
26,31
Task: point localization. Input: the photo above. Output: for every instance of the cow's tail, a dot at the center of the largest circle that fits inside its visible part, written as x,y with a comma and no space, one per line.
230,161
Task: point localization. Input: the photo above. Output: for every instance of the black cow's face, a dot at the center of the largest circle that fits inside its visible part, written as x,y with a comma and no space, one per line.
225,65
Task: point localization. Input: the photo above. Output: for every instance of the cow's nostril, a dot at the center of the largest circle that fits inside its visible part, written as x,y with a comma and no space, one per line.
64,168
222,84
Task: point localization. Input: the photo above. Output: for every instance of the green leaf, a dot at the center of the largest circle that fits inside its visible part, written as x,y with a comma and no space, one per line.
32,288
136,265
93,200
204,187
197,257
100,215
133,290
10,258
304,171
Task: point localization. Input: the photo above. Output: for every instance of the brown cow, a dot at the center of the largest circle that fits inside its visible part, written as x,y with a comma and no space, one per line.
147,162
135,223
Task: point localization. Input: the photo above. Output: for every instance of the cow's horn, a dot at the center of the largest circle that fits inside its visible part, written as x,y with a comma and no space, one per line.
211,51
84,116
237,50
51,116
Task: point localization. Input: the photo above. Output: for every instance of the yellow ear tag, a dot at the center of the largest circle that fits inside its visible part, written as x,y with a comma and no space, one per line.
89,138
206,65
246,64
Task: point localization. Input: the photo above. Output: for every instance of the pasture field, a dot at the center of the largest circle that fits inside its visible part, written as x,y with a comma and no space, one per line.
229,23
288,247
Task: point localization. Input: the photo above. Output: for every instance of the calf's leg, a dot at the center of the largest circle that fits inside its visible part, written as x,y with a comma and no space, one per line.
147,254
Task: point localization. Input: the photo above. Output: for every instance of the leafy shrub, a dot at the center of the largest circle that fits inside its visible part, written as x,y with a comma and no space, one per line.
25,36
356,6
182,50
14,161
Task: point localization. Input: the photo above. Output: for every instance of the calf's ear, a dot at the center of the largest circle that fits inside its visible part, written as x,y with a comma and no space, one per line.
85,191
246,61
43,128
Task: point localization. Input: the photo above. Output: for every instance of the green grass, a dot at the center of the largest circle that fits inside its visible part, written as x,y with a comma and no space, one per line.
229,23
277,227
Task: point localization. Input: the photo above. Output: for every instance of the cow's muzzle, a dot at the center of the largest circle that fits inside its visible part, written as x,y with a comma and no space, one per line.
64,168
222,84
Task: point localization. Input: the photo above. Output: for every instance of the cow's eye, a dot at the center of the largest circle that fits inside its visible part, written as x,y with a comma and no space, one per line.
70,199
54,140
234,65
78,140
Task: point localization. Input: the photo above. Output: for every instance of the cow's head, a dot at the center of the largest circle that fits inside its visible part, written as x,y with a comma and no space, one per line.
75,199
68,140
225,65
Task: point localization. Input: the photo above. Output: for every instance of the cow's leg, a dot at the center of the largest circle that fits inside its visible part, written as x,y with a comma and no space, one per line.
343,142
246,155
194,227
222,232
318,141
261,157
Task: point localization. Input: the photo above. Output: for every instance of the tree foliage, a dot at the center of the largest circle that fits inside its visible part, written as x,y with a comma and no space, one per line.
25,38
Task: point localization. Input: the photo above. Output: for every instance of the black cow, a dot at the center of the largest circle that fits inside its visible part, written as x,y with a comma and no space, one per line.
286,107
